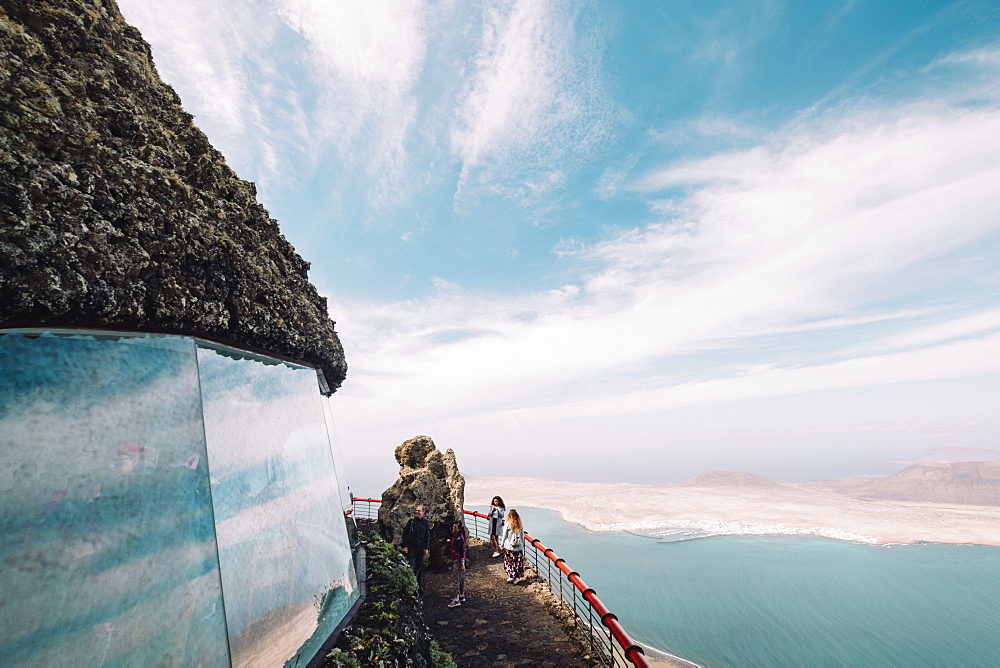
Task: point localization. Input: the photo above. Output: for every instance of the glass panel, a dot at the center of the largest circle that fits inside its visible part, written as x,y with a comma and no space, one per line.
106,534
338,459
287,567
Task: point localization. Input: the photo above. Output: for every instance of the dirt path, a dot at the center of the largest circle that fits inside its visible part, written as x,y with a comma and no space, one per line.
500,624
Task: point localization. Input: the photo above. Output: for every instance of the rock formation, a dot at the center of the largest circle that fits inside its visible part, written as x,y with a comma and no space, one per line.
976,483
116,212
426,476
951,455
728,479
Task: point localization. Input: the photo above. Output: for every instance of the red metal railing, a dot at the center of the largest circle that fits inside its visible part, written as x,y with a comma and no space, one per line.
607,636
366,512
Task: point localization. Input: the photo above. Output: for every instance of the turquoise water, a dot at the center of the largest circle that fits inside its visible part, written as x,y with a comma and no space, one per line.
791,601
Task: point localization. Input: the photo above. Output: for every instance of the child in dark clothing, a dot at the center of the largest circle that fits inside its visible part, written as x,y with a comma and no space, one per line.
458,551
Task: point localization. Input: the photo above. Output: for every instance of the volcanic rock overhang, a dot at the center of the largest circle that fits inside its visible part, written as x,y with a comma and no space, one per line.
116,211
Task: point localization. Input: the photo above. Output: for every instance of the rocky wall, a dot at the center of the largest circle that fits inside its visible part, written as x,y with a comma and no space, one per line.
117,213
429,477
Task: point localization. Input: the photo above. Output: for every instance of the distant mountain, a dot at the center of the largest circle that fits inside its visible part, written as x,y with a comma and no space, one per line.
975,483
947,455
728,479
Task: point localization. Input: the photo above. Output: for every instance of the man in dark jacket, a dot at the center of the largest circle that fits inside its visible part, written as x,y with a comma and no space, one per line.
417,542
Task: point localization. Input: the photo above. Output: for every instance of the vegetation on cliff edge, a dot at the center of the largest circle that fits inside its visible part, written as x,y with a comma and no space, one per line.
389,628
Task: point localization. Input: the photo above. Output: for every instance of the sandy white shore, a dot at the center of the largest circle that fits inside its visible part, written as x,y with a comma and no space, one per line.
801,508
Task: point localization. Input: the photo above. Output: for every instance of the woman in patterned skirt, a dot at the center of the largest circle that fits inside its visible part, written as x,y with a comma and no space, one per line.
513,547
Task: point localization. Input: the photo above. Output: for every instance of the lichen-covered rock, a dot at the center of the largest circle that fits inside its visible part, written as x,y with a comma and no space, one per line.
116,212
426,476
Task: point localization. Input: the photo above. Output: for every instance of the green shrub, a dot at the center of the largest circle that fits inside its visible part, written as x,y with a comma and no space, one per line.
385,630
440,658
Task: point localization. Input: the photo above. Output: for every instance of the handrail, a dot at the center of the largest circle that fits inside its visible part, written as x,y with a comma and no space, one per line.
616,646
367,511
608,618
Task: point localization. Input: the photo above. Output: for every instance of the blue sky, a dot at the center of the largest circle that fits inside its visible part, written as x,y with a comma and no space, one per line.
627,241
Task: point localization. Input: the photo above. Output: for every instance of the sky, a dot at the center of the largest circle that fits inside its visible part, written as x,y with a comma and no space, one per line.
626,242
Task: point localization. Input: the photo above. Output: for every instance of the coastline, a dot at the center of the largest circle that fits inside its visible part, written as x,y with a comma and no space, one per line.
789,508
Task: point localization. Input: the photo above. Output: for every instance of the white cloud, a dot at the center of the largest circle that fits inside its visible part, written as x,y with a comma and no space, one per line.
966,327
366,60
373,49
812,221
985,60
388,96
958,359
816,225
524,57
839,221
296,81
200,48
532,95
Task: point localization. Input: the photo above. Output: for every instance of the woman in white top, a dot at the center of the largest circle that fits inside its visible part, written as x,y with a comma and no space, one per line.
513,547
496,523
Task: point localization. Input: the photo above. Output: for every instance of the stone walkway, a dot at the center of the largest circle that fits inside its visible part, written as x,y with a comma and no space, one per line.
500,624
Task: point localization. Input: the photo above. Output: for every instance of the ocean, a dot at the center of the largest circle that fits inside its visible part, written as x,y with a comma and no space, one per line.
790,601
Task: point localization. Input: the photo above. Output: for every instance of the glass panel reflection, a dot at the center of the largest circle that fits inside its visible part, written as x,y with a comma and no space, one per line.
106,527
286,562
338,459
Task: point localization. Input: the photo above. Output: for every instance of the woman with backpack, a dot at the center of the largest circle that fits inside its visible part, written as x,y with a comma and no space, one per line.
458,549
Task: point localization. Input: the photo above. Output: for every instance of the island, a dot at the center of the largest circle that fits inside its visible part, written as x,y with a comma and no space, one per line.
928,502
